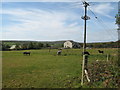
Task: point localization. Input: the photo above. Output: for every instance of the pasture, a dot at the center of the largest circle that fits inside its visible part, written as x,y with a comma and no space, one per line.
44,69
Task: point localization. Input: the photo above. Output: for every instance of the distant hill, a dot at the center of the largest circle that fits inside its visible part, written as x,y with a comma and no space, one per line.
12,42
60,43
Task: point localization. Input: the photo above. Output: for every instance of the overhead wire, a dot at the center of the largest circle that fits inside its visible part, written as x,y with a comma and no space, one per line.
98,18
110,35
108,30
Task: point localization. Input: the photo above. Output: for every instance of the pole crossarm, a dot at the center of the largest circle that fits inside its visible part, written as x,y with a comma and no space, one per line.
86,4
85,17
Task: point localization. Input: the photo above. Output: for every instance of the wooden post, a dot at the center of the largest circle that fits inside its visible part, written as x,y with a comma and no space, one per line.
49,49
108,57
84,44
83,63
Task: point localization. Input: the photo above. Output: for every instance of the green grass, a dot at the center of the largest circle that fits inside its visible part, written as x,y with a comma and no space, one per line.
44,69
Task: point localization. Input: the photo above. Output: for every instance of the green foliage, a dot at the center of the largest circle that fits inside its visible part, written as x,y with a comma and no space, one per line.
103,45
47,45
117,20
58,44
31,45
40,45
17,47
5,47
24,46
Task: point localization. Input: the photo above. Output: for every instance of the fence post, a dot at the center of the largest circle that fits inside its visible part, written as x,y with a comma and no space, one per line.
108,57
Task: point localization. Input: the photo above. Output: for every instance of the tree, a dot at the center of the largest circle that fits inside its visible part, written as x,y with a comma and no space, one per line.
30,45
17,47
118,23
118,20
47,45
5,47
24,46
39,45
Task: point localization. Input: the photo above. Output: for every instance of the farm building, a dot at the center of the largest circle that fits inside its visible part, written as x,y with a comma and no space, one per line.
13,47
71,44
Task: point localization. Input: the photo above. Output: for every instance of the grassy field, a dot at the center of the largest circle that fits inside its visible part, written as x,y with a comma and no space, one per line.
44,69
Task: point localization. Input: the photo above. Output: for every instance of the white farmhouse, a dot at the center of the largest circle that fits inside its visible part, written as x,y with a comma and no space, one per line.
71,44
12,47
68,44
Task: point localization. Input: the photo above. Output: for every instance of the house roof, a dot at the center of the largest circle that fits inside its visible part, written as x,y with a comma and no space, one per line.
74,43
13,47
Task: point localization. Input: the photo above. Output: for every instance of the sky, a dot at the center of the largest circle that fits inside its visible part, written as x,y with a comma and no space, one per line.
55,21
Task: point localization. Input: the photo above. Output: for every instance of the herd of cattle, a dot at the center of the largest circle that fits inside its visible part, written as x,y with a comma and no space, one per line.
60,51
83,53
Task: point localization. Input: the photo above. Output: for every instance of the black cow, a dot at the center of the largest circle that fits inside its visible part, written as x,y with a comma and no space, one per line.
26,53
85,53
100,51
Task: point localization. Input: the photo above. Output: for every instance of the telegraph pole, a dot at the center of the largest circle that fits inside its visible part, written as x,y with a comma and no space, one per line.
84,44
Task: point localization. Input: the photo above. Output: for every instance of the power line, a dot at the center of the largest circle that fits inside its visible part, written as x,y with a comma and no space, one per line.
106,31
103,24
92,12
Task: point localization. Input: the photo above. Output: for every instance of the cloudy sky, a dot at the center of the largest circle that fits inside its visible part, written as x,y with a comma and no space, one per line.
53,21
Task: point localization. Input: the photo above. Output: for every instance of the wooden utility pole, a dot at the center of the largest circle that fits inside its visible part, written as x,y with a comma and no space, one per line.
84,44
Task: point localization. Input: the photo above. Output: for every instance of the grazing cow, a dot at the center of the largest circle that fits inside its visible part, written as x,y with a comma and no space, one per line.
100,51
26,53
59,52
85,53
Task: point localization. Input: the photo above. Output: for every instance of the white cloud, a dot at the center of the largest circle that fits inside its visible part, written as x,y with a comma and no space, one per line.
103,9
37,24
59,0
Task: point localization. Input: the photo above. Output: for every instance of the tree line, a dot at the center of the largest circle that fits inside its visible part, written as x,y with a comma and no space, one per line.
25,46
104,45
39,45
